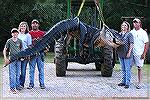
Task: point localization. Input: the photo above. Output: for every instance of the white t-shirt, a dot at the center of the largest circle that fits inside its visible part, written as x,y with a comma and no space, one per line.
26,40
140,38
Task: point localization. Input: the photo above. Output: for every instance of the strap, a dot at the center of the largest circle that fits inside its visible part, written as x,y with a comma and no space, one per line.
100,13
81,7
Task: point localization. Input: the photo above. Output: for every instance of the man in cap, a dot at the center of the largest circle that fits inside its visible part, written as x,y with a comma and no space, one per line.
140,47
37,59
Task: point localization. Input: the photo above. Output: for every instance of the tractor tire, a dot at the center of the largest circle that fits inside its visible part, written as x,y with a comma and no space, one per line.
60,59
107,65
98,66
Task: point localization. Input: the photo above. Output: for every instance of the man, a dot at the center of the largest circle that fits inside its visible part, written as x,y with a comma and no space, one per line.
140,47
38,58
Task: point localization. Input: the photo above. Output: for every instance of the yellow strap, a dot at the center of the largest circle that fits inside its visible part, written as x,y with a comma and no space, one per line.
100,12
81,7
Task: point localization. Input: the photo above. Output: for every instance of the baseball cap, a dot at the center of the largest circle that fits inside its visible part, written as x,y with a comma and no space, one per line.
14,30
136,20
35,20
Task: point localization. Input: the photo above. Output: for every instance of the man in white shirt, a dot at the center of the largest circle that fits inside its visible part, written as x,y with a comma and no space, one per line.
140,47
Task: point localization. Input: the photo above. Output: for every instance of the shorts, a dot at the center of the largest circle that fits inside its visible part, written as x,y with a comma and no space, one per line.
138,61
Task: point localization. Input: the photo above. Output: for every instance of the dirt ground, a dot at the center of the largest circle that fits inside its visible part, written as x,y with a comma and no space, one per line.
81,81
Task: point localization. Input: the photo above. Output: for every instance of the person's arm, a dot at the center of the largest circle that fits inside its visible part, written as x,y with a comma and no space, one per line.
130,49
145,50
131,44
5,57
29,41
146,41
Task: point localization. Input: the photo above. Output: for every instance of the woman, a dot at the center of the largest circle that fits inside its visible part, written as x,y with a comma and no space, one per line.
125,53
26,42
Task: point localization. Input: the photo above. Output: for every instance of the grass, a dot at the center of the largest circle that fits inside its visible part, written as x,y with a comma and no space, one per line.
1,61
49,58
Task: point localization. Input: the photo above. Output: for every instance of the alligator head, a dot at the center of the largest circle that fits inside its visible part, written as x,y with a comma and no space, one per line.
106,36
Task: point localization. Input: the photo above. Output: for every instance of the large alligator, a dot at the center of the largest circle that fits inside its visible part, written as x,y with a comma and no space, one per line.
87,35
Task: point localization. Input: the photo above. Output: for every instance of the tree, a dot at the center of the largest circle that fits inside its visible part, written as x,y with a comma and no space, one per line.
49,12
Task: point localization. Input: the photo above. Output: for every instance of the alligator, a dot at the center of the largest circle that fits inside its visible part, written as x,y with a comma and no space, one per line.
89,37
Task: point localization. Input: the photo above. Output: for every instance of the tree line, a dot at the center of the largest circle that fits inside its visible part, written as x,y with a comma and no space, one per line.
49,12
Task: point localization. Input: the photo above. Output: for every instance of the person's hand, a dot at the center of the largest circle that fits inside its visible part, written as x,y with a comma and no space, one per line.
46,50
143,56
115,45
128,55
29,58
6,61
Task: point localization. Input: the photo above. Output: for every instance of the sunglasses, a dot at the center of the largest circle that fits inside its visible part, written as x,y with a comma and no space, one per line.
135,22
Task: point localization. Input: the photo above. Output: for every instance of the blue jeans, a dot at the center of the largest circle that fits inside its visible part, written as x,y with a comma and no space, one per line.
126,70
40,65
14,74
23,72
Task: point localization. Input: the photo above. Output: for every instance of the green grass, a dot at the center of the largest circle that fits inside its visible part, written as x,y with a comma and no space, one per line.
1,61
49,58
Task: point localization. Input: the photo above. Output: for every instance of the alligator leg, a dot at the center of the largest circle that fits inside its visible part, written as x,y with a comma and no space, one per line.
83,32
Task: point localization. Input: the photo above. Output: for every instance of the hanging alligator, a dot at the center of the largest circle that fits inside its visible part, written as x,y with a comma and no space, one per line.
86,34
63,32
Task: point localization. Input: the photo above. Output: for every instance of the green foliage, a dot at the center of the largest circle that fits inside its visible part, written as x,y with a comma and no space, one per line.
49,12
11,14
115,9
14,11
42,1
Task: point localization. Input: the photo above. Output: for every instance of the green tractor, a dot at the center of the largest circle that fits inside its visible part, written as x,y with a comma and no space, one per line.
103,57
67,48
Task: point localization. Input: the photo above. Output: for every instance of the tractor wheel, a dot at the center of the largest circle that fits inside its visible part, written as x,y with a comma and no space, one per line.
60,59
107,66
98,66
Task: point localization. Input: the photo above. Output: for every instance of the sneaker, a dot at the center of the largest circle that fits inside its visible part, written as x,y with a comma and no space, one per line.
19,88
126,86
13,91
30,87
42,87
138,87
121,84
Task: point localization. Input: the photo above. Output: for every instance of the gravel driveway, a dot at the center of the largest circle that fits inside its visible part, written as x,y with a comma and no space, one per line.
81,81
